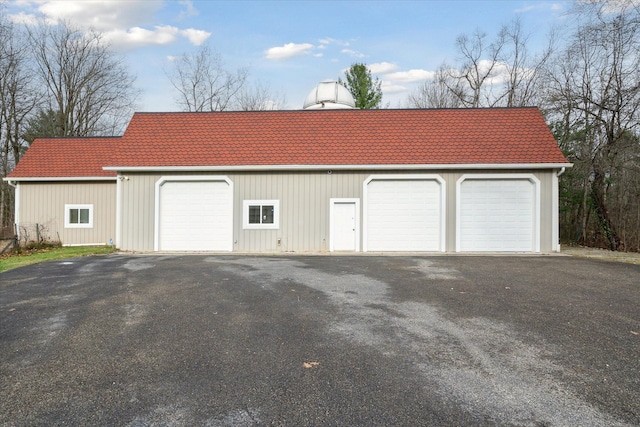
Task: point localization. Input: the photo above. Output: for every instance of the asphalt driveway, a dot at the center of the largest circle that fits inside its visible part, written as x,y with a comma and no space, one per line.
249,341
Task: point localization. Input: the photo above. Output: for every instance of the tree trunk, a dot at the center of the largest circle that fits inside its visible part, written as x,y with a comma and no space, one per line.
585,212
597,192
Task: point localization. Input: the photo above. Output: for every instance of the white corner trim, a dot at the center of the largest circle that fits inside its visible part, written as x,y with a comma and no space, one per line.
555,212
16,208
332,203
525,176
182,178
118,212
443,200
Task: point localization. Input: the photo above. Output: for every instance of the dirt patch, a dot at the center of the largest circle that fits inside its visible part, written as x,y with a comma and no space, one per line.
602,254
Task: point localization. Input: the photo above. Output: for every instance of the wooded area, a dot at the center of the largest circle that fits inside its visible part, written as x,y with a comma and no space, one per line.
589,90
56,80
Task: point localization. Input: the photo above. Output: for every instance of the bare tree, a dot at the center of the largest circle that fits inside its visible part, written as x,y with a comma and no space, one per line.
437,92
87,85
595,86
259,97
17,100
480,60
499,73
202,82
524,71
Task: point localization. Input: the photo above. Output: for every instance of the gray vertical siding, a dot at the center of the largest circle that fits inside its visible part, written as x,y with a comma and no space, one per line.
137,209
43,203
546,212
304,207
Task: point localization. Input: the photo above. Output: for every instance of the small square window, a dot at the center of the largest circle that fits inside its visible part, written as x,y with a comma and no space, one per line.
261,214
78,216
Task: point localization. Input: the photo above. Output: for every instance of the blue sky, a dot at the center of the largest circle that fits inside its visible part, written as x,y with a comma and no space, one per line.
290,46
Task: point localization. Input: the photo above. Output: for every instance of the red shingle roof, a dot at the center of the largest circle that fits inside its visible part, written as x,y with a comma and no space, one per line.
67,158
291,138
339,137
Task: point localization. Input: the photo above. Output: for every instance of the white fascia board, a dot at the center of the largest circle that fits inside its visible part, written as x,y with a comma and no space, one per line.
334,167
64,178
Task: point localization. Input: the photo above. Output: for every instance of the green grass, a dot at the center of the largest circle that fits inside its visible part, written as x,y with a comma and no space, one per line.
35,256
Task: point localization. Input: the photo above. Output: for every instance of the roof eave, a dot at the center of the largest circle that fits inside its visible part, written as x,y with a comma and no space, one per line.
254,168
61,178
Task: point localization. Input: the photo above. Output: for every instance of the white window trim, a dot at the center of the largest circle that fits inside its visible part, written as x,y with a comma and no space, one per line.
67,219
276,214
499,176
406,177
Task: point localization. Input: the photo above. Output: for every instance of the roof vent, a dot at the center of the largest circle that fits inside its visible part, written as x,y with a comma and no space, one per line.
329,95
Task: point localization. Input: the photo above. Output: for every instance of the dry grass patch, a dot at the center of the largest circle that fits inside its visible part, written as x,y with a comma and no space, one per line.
602,254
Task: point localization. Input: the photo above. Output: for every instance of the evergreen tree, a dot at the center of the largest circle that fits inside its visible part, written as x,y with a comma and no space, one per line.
365,90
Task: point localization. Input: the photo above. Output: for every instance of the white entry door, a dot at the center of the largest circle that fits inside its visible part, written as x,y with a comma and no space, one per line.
344,225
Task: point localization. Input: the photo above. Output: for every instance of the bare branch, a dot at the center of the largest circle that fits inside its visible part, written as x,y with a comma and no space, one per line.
202,82
89,88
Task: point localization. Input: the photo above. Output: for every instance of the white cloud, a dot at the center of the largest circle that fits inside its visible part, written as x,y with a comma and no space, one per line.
525,9
409,76
190,10
382,67
24,18
196,37
353,53
499,73
122,22
540,6
102,15
137,36
388,87
617,6
288,51
330,40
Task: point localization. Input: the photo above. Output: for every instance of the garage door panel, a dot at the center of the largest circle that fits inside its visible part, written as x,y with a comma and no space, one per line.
195,216
497,215
404,215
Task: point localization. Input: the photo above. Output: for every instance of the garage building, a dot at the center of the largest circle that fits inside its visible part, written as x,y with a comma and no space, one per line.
315,180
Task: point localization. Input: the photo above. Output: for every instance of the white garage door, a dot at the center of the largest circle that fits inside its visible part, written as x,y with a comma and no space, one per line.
497,215
195,216
404,215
